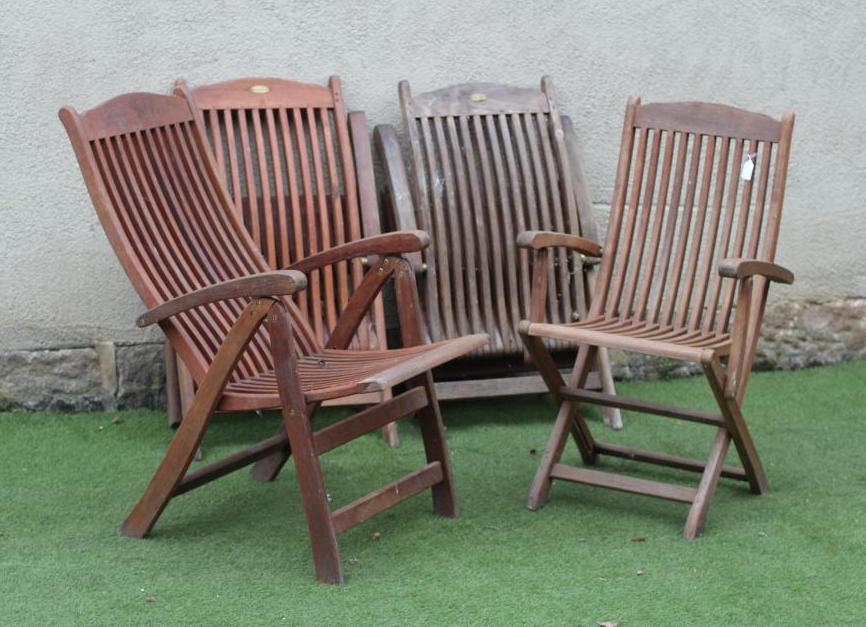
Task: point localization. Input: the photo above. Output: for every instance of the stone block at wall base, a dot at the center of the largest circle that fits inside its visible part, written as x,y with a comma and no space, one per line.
795,334
103,377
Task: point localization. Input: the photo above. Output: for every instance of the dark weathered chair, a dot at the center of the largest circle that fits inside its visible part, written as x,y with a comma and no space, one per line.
676,268
162,203
487,162
300,173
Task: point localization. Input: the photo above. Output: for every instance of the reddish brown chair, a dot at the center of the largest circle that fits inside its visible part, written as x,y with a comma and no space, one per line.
162,203
676,268
487,162
300,173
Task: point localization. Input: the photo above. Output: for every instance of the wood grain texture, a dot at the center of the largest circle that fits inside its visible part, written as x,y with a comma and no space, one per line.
176,232
687,262
488,162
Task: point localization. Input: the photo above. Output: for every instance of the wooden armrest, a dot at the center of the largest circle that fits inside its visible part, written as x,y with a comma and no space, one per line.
276,283
547,239
735,268
396,243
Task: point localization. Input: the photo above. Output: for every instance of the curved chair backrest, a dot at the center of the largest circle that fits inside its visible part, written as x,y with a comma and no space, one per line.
285,151
490,161
696,183
168,217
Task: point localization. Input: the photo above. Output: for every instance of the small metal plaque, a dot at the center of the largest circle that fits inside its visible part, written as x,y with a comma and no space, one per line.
478,97
260,89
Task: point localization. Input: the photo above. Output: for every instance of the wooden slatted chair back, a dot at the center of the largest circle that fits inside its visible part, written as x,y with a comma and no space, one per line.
696,183
490,161
285,151
149,171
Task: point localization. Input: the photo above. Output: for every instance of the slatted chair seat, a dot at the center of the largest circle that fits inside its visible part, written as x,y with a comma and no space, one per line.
684,274
331,374
655,339
235,324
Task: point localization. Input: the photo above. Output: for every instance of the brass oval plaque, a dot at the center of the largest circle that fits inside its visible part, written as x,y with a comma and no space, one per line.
478,97
260,89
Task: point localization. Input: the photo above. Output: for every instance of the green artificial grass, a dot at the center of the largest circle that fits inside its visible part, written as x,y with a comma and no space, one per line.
236,552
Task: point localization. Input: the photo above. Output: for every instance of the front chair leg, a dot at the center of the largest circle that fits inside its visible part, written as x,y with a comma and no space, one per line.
436,449
736,426
323,535
178,457
188,437
712,471
568,420
412,333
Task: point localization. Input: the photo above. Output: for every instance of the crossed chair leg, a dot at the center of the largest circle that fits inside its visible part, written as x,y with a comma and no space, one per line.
172,477
730,425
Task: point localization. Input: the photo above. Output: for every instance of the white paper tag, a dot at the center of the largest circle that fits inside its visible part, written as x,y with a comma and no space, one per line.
747,170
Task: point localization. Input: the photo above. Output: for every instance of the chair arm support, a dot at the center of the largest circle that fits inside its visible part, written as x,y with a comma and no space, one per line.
537,240
396,243
275,283
736,268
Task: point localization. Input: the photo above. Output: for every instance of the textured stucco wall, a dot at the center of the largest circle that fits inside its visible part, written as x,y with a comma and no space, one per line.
60,283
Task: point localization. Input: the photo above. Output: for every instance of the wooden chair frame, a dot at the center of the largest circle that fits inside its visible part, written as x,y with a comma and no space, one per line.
154,184
504,157
282,183
657,294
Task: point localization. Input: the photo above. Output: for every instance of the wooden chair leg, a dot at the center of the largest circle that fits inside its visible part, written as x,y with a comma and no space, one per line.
436,449
712,471
268,468
391,435
567,421
185,385
178,457
612,415
188,437
172,389
737,428
296,419
389,432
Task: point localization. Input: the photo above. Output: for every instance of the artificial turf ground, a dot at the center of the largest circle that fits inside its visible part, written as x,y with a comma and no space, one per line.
236,551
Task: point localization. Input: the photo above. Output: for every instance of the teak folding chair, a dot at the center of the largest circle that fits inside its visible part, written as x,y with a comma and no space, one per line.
300,173
489,161
675,270
170,220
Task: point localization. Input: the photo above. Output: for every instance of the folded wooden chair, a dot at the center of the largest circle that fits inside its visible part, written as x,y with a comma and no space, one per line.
691,242
170,220
489,161
300,173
